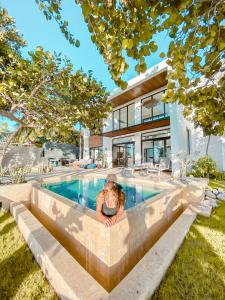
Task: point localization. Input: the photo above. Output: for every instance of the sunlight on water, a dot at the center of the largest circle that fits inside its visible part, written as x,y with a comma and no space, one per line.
85,191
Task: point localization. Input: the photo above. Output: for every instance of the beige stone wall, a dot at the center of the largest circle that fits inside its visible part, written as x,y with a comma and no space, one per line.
15,193
108,254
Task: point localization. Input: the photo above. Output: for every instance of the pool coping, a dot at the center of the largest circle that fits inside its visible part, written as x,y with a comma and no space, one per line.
71,281
176,188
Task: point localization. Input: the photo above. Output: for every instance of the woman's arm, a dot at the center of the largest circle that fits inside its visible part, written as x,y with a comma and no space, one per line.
100,216
100,200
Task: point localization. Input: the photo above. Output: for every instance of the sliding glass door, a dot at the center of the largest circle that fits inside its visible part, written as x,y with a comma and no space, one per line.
156,149
123,155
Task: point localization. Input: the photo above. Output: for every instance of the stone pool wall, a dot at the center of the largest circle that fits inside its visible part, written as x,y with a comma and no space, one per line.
20,193
108,254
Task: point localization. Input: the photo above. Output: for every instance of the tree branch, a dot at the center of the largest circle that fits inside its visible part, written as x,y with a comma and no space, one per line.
38,87
11,117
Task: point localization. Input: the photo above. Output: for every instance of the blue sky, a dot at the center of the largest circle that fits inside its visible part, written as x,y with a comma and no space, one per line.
37,31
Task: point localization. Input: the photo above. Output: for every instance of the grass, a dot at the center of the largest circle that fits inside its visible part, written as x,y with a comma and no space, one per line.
198,271
217,184
20,276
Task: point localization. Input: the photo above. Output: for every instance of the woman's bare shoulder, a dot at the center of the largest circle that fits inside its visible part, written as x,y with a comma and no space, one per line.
100,196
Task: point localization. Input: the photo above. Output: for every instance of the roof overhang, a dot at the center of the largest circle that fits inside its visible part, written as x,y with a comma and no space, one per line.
138,127
142,87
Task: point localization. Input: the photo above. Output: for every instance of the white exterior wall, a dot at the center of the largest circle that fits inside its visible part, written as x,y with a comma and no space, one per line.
178,128
198,142
137,139
86,134
23,156
216,147
107,150
107,123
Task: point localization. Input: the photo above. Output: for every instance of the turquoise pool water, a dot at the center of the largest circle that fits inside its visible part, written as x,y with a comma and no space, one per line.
85,191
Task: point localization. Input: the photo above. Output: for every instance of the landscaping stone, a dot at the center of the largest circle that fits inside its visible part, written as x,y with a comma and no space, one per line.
215,191
220,190
221,196
204,210
211,203
210,194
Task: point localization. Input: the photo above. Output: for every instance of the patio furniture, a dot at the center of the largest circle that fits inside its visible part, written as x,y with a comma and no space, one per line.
164,165
134,168
90,166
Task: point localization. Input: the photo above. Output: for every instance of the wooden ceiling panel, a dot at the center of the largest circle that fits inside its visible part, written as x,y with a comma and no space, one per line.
139,127
138,90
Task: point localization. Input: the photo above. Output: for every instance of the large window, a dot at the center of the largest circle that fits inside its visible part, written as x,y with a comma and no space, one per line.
153,108
116,119
156,146
124,117
131,115
96,154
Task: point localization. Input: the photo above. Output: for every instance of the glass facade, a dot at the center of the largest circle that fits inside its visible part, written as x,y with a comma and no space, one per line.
116,120
123,152
153,108
124,117
96,154
156,145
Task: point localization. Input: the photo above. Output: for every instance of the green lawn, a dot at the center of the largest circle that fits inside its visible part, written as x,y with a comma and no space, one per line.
20,276
198,271
217,184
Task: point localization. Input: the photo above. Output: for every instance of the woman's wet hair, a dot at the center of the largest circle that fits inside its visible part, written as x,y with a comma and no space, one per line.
110,185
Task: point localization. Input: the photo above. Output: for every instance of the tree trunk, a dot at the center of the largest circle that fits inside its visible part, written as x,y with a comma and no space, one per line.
207,146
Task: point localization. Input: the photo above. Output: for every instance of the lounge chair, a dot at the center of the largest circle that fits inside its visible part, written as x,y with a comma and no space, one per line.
134,168
164,165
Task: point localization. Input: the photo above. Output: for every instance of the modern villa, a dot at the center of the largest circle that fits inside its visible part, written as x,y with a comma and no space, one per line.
141,128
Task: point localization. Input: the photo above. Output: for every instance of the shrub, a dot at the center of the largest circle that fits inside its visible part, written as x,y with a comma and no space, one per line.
205,167
18,174
220,176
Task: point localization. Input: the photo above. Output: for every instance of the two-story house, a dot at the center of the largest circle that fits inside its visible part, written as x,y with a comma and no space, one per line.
141,128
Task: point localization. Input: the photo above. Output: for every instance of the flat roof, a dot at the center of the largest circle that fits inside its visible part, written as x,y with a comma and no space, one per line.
154,78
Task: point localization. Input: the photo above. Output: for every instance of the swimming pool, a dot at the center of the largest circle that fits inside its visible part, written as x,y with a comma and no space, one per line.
84,191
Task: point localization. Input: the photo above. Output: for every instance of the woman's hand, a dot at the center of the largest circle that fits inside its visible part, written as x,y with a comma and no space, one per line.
110,221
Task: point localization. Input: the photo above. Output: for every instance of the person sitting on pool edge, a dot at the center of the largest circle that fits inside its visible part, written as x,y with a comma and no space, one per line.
110,203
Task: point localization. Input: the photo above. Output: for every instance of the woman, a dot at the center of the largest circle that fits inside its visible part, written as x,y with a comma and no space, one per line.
110,204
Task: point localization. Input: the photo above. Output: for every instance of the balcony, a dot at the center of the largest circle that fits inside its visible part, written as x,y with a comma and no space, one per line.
156,123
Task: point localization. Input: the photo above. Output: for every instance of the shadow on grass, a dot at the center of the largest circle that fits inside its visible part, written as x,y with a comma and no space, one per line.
4,217
14,270
7,228
197,271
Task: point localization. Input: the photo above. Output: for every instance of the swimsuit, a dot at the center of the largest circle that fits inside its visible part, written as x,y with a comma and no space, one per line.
108,211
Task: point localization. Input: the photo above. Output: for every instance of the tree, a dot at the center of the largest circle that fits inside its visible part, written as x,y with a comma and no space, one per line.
127,28
43,94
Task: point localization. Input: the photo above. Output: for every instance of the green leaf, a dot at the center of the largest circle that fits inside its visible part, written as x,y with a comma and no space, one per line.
127,43
153,46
